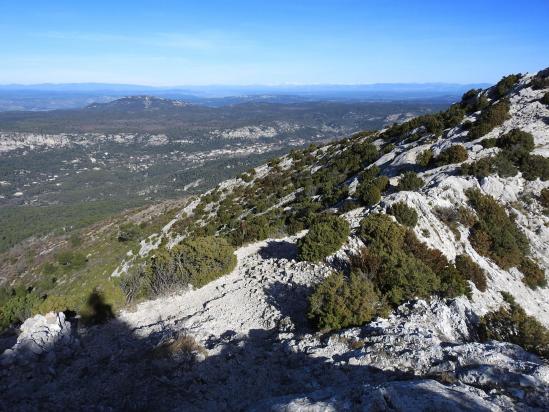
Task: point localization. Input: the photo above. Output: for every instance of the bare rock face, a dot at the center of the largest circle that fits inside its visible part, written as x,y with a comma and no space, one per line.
42,337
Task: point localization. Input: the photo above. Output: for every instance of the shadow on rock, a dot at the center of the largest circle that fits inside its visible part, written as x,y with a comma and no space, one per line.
278,249
291,300
157,367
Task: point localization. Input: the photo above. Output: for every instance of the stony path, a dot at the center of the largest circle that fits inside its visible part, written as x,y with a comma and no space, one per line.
264,288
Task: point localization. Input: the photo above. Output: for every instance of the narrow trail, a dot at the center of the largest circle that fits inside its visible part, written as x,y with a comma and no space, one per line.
257,294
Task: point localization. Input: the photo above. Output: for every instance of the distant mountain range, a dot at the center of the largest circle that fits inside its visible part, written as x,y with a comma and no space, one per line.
37,97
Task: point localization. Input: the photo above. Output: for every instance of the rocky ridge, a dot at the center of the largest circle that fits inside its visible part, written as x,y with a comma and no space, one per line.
248,345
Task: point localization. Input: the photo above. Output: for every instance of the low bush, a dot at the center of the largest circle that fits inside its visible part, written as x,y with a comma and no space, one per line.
69,260
302,215
424,158
470,270
505,85
481,168
452,216
324,238
194,261
394,266
489,118
369,194
486,166
401,266
488,143
340,302
503,165
473,101
544,197
129,231
54,303
540,80
183,348
545,98
495,234
512,324
247,178
398,275
17,305
534,167
454,154
410,181
515,155
516,144
534,275
371,186
452,283
403,213
380,231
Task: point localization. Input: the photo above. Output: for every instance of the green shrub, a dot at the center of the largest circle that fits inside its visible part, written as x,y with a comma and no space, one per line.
69,260
473,101
505,85
495,234
75,240
17,305
54,303
424,158
534,276
503,165
452,217
129,231
534,167
516,144
302,215
544,197
340,302
488,143
247,178
381,232
194,261
348,205
401,266
513,325
369,194
454,154
489,118
453,116
370,174
381,182
398,275
481,168
545,98
371,186
471,271
393,267
410,181
324,238
403,213
452,283
486,166
540,80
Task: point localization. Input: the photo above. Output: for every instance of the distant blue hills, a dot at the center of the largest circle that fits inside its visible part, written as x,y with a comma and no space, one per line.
49,96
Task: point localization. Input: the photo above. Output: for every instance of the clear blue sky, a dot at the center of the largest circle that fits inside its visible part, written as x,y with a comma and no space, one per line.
271,41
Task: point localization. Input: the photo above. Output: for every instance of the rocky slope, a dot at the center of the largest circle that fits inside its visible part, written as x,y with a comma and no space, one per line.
242,342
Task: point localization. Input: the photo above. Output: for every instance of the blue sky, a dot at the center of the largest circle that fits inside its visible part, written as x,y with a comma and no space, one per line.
270,42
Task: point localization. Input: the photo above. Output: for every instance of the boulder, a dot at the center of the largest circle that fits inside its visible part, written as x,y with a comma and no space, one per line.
40,337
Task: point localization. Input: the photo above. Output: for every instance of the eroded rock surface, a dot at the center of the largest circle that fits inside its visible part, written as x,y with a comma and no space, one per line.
242,343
